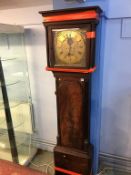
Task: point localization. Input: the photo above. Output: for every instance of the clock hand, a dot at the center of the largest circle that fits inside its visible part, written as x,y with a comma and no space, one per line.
70,42
69,53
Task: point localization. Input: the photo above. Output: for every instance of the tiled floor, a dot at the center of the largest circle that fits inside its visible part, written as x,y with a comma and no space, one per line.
43,162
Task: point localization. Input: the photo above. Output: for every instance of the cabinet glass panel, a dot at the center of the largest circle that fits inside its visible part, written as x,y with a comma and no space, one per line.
19,124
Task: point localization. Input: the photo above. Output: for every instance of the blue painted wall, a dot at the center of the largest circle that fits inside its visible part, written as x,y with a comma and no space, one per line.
61,4
119,8
116,93
111,94
116,86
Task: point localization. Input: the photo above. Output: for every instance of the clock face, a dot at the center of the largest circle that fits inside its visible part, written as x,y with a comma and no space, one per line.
70,47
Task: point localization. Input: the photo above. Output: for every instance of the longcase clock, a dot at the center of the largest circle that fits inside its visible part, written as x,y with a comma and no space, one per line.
71,36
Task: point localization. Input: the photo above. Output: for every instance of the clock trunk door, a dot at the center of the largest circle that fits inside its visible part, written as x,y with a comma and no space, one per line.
70,98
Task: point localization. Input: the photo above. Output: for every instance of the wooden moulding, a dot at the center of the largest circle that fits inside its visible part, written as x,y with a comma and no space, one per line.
84,71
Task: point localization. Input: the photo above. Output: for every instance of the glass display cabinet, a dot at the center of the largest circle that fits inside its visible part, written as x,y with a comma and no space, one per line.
16,117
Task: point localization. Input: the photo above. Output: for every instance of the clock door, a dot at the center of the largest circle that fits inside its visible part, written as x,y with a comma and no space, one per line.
70,46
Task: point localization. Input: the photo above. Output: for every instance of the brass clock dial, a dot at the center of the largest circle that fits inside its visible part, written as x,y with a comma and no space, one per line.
70,46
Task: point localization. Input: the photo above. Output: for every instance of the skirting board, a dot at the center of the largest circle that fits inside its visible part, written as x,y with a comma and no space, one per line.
44,144
106,160
115,162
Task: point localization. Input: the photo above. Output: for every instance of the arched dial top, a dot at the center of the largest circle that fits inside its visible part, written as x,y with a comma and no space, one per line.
70,46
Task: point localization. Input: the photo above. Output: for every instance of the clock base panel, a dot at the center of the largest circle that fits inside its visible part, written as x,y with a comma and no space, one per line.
70,160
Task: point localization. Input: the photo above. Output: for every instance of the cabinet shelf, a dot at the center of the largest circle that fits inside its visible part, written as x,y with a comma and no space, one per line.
14,104
8,58
17,58
11,82
21,139
20,118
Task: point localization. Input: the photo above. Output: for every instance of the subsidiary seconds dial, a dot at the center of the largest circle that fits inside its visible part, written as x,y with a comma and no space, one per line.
70,46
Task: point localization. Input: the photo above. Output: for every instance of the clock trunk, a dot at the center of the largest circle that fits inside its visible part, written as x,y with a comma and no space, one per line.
73,151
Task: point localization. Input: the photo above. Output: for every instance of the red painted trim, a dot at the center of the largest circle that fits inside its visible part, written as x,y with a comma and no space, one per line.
91,34
92,14
66,171
84,71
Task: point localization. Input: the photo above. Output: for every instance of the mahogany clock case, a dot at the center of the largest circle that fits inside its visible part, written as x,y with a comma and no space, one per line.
73,152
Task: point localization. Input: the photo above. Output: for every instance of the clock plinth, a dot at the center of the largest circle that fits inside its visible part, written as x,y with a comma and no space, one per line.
72,161
71,35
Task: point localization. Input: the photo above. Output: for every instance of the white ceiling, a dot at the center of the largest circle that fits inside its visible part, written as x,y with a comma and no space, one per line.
12,4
